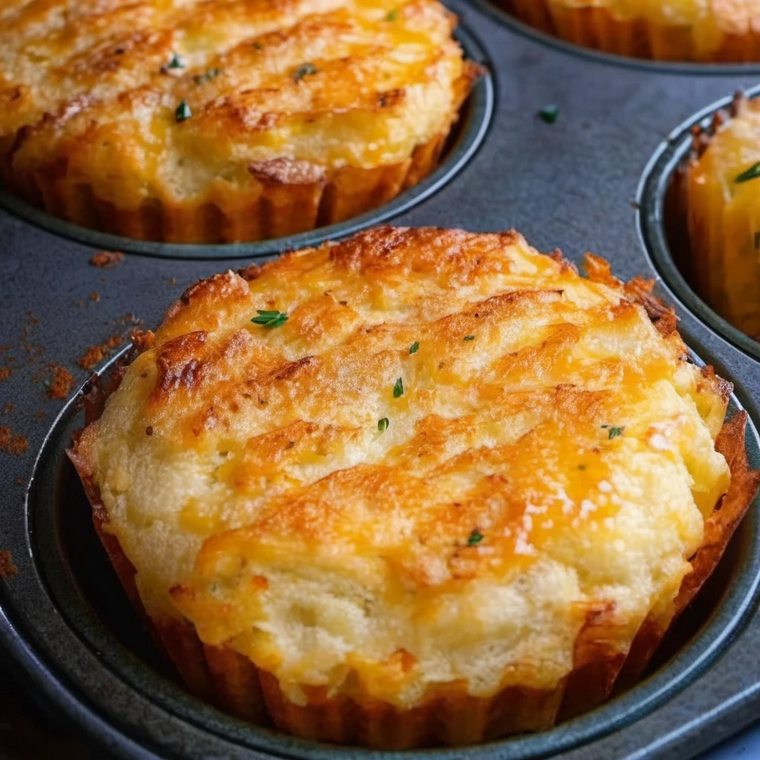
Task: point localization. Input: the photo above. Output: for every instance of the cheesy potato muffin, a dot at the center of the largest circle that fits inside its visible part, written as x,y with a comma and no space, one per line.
417,487
717,193
207,121
666,30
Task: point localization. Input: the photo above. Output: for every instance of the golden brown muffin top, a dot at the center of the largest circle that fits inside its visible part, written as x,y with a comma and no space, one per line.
726,156
188,98
440,442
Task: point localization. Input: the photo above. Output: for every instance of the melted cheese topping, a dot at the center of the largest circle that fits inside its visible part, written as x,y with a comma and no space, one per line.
87,90
551,456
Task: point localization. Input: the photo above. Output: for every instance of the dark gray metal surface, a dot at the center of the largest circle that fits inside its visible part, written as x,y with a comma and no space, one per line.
571,184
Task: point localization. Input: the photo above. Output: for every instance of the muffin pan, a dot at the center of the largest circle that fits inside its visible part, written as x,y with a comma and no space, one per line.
70,633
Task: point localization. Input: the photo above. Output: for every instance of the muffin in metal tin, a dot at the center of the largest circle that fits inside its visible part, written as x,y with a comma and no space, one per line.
417,487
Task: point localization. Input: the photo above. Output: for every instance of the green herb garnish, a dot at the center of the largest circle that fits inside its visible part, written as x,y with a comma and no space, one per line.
549,114
398,388
183,112
614,432
382,425
581,467
469,337
272,318
752,173
257,46
304,70
393,15
207,76
414,348
176,62
475,538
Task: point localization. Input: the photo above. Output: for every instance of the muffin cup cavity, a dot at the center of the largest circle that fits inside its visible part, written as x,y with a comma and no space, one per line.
669,212
286,215
448,715
77,579
602,653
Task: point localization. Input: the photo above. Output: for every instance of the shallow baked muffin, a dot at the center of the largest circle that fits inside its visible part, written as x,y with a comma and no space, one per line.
421,486
211,121
717,193
667,30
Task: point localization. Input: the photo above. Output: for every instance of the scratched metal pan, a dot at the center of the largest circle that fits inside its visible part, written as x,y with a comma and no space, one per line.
65,626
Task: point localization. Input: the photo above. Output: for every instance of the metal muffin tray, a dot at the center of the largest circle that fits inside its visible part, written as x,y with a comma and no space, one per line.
593,180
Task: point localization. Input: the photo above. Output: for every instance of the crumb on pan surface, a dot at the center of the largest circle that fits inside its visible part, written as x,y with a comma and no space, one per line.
548,460
130,115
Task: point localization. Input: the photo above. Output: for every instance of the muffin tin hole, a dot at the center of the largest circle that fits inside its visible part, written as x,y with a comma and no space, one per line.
84,590
662,226
463,142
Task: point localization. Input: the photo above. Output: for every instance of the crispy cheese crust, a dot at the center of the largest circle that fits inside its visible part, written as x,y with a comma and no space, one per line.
678,30
551,461
121,106
723,215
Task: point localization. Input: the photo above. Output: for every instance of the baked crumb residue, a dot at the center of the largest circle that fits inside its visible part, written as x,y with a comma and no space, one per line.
61,382
106,259
12,443
7,567
95,354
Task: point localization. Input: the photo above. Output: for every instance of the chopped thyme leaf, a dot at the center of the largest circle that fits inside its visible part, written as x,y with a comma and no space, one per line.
257,46
382,425
270,318
469,337
581,467
615,432
549,114
176,62
398,388
414,348
393,15
752,173
475,538
207,76
304,70
183,112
